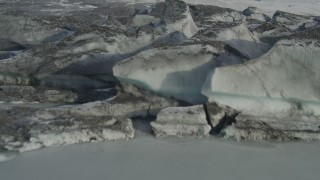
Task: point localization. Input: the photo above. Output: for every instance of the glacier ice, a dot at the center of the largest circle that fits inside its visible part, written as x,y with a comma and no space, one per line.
177,71
181,121
283,80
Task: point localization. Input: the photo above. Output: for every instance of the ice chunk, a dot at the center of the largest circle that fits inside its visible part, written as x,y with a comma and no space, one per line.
240,38
177,17
181,121
284,127
292,21
177,71
254,13
182,115
283,80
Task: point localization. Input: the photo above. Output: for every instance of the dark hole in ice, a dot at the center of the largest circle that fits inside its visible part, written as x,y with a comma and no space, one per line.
142,124
94,95
226,121
93,139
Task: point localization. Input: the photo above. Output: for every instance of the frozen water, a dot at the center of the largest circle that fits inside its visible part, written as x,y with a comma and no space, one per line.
147,158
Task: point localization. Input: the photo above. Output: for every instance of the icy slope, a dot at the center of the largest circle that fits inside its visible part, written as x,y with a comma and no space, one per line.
178,71
177,17
283,80
240,38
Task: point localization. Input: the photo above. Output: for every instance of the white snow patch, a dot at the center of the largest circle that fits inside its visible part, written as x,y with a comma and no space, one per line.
17,102
66,6
303,7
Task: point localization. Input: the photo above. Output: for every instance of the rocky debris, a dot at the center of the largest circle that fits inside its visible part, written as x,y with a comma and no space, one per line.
181,121
60,81
206,16
27,94
27,129
294,21
310,34
284,26
31,94
293,127
170,70
25,30
24,129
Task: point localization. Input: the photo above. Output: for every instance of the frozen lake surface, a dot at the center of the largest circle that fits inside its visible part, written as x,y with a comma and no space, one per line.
146,158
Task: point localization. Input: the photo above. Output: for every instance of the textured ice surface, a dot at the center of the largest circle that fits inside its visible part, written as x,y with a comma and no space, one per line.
283,80
178,71
270,127
181,121
240,38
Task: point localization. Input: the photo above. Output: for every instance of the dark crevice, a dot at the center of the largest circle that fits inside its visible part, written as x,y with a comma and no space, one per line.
208,117
142,124
85,96
227,120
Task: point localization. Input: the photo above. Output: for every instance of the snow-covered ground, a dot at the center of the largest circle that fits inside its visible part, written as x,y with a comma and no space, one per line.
311,7
303,7
306,7
146,158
